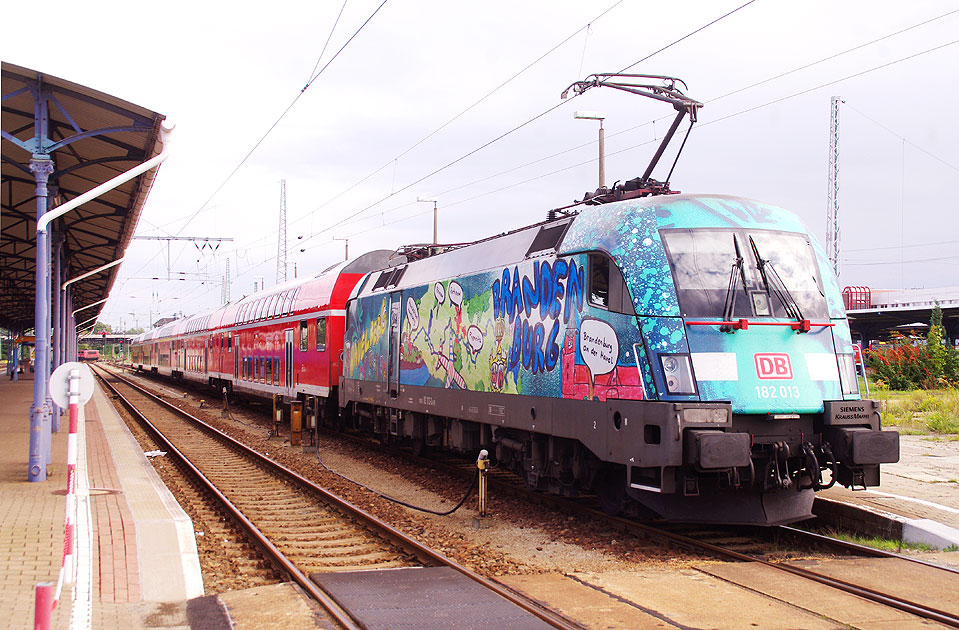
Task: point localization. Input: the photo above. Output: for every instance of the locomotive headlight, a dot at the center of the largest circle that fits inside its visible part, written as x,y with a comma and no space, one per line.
677,373
847,373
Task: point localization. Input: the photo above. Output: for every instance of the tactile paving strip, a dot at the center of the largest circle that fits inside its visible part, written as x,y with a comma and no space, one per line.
423,598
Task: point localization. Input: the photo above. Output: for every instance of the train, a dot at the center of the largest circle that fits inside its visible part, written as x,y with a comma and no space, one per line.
686,356
88,355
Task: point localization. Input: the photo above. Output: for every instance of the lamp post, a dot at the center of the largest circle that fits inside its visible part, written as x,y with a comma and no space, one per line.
434,201
600,116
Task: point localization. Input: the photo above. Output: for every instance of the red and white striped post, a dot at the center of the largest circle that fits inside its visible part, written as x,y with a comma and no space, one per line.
68,566
43,606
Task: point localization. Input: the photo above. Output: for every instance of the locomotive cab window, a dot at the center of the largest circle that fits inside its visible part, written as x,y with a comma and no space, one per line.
304,335
755,273
607,288
321,333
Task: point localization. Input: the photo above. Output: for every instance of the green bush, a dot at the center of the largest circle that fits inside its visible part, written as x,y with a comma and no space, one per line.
911,364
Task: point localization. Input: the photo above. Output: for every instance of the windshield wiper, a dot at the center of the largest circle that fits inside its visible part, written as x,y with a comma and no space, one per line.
729,308
778,287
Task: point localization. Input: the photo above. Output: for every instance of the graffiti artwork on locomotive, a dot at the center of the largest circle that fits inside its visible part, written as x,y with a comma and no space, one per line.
612,352
681,355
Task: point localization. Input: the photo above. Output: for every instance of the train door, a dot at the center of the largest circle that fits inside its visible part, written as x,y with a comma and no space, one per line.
236,355
394,366
288,372
206,354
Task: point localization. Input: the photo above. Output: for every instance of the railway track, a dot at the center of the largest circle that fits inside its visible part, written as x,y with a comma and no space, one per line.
741,544
301,528
731,543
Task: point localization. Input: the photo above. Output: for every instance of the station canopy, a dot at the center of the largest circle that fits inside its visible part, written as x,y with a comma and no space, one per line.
91,137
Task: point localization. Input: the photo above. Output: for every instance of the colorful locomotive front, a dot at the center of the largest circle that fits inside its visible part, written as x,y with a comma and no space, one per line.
689,355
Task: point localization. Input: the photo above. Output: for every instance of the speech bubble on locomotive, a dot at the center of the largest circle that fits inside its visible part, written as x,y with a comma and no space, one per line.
412,313
599,346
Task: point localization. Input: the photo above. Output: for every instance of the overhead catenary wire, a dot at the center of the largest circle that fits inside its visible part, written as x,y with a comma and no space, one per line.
734,114
523,124
283,114
496,89
313,78
700,126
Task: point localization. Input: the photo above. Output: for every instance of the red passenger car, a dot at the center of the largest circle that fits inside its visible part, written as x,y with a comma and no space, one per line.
284,341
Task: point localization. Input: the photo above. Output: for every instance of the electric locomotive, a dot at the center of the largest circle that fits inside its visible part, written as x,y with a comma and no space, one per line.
683,355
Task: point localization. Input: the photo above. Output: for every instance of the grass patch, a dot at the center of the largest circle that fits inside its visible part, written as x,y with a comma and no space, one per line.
920,412
883,544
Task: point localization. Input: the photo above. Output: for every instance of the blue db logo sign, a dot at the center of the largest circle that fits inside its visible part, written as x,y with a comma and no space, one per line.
773,365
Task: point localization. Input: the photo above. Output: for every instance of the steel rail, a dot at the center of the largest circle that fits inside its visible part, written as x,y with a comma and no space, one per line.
424,553
689,543
276,557
863,549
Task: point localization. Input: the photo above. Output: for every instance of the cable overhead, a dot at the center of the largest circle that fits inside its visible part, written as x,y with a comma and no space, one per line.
462,113
906,140
686,36
328,38
834,56
516,128
630,148
282,115
313,78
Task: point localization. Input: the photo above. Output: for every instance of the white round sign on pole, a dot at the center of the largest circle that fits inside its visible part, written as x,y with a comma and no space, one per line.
60,384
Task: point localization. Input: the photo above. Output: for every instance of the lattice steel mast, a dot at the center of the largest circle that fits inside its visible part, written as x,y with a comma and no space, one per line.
281,244
225,294
832,188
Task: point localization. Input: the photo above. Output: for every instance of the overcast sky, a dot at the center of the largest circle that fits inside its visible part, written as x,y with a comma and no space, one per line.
225,72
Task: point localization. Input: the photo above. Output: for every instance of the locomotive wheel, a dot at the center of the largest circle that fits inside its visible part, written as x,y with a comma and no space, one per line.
611,490
419,447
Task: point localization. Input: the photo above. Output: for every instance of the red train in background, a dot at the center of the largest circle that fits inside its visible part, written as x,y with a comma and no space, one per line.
286,341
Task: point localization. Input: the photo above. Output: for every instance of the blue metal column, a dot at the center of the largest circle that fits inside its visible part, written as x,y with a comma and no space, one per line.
42,167
57,326
16,357
71,328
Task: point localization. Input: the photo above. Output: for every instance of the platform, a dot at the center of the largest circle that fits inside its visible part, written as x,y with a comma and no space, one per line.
917,500
136,550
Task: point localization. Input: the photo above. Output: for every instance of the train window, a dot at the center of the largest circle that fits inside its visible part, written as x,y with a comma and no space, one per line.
304,335
275,303
383,279
599,280
269,370
548,238
792,258
607,288
704,263
229,342
321,333
276,371
287,303
395,277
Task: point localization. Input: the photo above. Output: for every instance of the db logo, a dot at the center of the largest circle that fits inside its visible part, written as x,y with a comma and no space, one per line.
773,365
